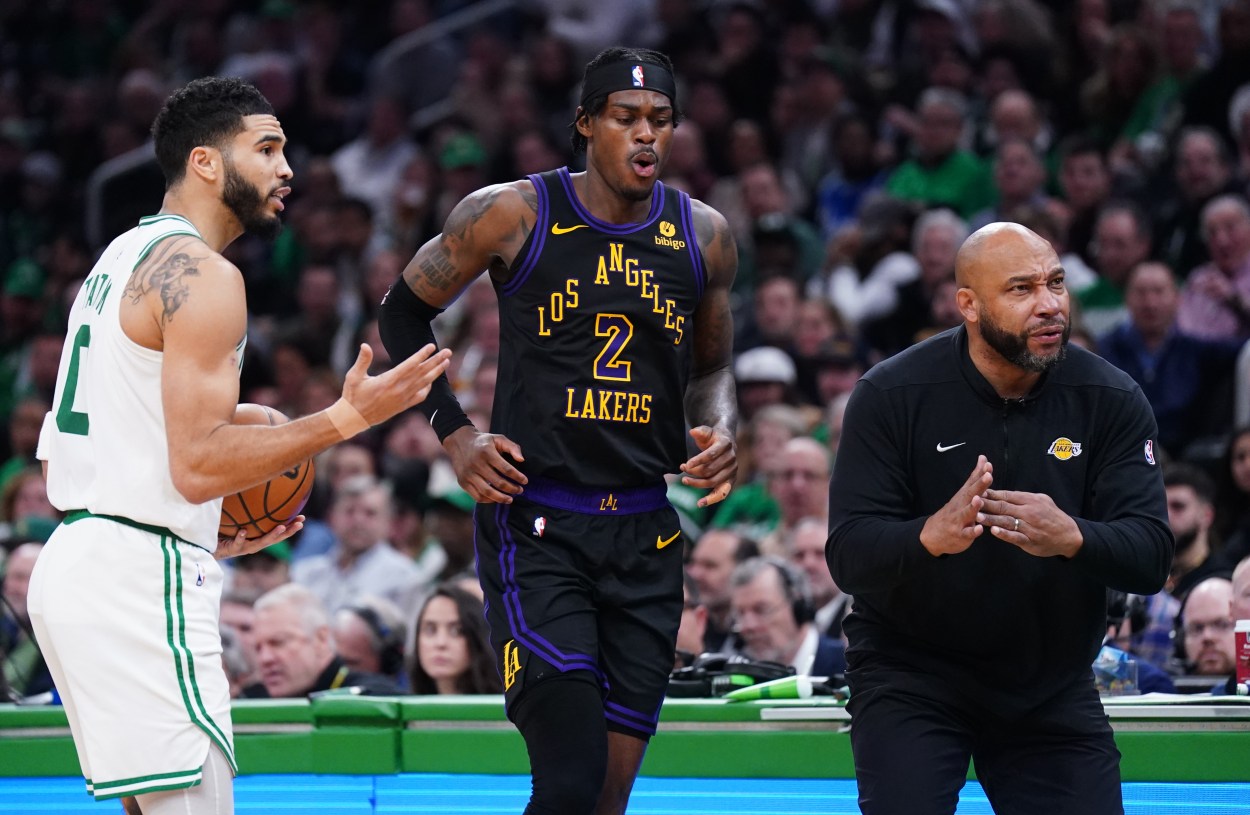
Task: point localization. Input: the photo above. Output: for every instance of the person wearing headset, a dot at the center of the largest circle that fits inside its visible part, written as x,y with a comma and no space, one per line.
295,650
772,614
369,636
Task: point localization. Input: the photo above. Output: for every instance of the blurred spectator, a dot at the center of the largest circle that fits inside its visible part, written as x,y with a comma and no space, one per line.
940,172
23,664
1157,112
1233,509
411,53
687,167
369,167
24,506
260,572
807,552
1191,514
1241,591
236,662
451,651
835,412
745,63
693,626
770,211
1215,302
1019,180
1014,115
855,175
806,144
295,649
866,286
774,317
370,636
1187,380
712,562
1207,99
362,561
1201,171
935,238
24,427
818,328
1086,184
238,613
449,522
765,376
1109,97
837,366
750,508
344,461
773,609
799,483
1121,242
1239,126
1206,624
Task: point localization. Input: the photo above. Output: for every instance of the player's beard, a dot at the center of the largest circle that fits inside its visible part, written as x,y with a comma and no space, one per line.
248,204
1015,347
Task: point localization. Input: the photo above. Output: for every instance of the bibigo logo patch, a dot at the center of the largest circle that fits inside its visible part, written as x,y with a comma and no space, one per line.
1064,448
665,238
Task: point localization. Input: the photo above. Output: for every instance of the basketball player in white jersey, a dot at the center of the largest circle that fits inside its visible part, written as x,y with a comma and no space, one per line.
139,448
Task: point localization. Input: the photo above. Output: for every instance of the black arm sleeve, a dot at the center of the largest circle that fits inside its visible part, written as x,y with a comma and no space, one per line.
404,324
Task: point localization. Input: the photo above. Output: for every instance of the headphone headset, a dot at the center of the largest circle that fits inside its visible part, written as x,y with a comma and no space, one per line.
717,674
386,641
794,584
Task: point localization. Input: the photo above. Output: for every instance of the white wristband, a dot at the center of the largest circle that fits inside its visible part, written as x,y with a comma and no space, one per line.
346,419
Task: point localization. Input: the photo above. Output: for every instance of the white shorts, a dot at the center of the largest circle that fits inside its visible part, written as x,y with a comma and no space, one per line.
127,619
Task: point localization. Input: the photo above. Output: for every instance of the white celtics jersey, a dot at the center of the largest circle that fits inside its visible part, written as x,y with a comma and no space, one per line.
104,439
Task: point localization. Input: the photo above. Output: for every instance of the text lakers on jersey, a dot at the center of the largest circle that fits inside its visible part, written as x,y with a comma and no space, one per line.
616,331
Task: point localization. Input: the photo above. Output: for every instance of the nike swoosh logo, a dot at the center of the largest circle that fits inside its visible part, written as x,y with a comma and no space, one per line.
556,229
660,544
942,449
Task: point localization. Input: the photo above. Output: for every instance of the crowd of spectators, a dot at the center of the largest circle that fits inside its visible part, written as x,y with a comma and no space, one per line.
851,144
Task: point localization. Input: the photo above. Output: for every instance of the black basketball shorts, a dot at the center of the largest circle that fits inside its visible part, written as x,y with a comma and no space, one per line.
589,580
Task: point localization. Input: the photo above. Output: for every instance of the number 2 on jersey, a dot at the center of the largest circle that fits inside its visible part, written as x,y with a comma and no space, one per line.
619,331
69,420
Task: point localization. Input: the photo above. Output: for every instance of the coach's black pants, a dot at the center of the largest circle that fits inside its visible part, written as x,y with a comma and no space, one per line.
912,754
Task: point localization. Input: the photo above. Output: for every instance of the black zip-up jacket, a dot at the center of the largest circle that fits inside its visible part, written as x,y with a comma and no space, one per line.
992,624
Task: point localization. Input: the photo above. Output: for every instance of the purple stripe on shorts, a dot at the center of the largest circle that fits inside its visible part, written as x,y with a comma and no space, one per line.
516,618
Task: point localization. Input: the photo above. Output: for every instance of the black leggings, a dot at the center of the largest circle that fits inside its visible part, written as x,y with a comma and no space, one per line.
561,720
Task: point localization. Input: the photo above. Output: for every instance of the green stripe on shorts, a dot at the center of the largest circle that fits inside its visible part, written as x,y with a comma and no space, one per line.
176,637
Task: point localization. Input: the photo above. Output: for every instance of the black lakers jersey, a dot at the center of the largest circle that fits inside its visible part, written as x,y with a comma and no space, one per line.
596,335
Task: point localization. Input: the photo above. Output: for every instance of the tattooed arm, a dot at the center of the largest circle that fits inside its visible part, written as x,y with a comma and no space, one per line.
711,399
189,302
484,232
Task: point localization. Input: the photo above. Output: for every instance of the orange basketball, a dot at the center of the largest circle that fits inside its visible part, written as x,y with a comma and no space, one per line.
260,508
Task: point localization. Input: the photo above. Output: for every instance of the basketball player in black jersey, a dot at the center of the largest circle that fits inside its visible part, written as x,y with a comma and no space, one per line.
615,332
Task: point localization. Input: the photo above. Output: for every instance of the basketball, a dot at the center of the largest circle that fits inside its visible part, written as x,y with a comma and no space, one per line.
259,509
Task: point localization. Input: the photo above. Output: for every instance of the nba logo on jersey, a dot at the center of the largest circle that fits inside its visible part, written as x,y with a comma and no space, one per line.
637,75
540,525
199,575
1150,451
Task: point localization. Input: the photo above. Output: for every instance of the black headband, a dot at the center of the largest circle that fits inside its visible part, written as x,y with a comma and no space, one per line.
627,76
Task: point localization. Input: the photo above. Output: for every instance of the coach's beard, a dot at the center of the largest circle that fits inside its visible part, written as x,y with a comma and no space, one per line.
1015,347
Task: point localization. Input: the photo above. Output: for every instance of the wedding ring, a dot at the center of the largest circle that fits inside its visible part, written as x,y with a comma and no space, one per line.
1017,527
